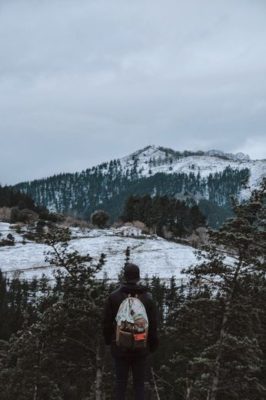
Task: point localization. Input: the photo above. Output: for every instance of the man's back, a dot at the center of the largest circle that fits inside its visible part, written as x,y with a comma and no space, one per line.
126,359
110,312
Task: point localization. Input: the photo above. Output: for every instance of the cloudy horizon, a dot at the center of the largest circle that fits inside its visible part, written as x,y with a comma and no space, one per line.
83,82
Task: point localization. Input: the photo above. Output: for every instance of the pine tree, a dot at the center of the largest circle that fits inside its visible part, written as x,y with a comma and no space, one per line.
60,356
234,260
4,315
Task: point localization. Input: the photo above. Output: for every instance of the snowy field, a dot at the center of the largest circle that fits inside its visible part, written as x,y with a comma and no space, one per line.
154,255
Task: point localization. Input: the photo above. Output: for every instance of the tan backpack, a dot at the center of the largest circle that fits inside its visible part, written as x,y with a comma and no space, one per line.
132,324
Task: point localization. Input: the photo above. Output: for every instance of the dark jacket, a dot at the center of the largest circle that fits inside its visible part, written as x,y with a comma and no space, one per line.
111,308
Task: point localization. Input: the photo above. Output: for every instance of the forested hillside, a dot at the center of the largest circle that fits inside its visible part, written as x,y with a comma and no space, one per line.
206,179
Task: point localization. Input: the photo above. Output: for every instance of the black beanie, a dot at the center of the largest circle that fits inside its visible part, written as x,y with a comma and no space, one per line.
131,273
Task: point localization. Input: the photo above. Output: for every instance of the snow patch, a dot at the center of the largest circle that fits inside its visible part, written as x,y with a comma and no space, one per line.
154,255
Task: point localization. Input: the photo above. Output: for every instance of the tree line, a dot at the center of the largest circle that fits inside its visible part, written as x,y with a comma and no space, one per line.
9,197
22,206
108,186
162,214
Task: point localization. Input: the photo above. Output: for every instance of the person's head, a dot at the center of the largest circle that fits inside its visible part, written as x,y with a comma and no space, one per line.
131,273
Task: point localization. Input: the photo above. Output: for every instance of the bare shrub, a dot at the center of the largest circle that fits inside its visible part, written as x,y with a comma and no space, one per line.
5,214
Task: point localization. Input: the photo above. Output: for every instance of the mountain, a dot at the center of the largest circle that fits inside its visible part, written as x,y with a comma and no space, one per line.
206,178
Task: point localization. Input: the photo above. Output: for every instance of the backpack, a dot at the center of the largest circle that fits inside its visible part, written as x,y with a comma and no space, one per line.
132,324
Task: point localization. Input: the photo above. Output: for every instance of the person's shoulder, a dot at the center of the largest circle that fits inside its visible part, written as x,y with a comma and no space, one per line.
145,294
149,295
136,290
117,290
115,293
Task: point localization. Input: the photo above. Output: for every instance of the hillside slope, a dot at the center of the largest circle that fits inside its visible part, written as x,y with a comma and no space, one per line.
210,176
154,255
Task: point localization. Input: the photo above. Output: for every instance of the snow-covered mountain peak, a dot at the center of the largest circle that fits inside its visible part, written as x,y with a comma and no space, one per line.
154,153
156,159
143,156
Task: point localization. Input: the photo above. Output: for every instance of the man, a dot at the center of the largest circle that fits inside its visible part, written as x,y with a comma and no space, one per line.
126,359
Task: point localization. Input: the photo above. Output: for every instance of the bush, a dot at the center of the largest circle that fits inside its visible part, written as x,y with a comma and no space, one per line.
100,218
25,215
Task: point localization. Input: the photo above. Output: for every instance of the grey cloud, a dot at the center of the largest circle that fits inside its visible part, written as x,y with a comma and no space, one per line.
86,81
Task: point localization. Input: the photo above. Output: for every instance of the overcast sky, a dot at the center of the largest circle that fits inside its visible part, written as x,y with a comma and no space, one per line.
86,81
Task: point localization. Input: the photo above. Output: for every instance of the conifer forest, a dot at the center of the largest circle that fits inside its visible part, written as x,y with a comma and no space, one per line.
212,329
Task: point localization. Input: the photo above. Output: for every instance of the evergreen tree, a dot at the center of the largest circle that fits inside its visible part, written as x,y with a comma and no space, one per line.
163,214
234,259
60,356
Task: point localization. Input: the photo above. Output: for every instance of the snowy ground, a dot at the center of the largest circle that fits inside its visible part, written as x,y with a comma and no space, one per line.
154,255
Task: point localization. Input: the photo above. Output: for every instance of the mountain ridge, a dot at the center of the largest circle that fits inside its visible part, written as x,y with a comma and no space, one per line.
213,152
191,176
236,157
